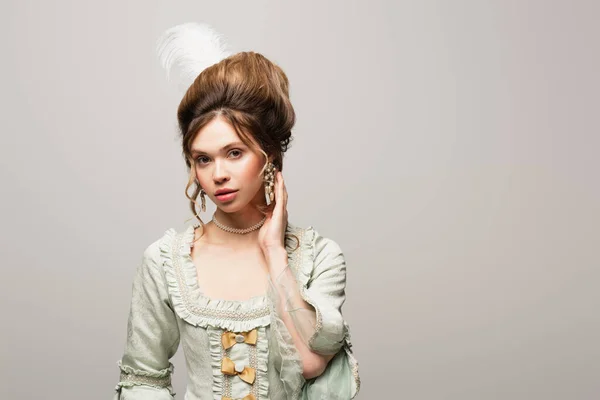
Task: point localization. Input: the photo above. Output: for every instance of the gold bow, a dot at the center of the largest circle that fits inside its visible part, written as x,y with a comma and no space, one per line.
228,338
228,368
249,397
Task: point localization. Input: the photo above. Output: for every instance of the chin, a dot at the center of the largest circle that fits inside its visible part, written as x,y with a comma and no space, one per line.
233,207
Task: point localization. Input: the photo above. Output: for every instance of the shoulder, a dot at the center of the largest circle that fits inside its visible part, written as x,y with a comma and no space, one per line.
313,237
315,254
152,252
319,244
161,246
172,237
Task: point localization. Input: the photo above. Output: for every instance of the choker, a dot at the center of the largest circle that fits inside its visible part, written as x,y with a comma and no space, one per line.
237,230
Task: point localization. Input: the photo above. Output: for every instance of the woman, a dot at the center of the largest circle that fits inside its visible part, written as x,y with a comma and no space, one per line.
254,301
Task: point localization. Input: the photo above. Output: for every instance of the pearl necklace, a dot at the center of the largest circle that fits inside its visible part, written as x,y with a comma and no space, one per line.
237,230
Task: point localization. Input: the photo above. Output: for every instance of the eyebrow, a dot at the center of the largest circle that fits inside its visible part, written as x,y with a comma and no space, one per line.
199,151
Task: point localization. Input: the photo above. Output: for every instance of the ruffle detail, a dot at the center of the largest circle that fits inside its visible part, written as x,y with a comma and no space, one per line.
353,362
216,357
132,384
189,302
160,374
131,377
262,362
301,259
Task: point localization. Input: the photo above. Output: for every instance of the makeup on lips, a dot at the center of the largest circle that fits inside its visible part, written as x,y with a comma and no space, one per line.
225,194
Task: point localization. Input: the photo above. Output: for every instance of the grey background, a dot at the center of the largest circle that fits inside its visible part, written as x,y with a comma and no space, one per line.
449,147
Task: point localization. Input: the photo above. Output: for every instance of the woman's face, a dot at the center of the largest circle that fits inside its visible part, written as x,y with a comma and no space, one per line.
224,162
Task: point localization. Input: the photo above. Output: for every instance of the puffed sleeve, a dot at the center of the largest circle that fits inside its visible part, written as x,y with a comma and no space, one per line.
318,268
152,335
321,327
326,293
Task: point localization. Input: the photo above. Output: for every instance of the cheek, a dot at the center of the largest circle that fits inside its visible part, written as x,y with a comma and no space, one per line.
249,170
201,177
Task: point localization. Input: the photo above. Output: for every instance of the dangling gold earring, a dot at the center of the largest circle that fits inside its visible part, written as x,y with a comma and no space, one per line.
203,199
270,181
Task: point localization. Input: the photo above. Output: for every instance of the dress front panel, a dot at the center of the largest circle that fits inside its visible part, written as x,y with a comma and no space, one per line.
233,349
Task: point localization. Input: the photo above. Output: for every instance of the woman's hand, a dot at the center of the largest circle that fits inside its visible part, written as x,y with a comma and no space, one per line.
271,236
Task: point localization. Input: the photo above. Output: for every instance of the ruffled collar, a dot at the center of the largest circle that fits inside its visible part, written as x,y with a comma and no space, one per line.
190,303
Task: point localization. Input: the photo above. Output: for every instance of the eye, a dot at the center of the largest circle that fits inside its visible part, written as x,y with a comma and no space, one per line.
202,160
236,153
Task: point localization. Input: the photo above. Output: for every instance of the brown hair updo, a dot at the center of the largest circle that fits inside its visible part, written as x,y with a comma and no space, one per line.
252,94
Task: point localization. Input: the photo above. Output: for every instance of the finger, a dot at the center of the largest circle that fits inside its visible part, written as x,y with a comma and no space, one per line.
285,192
282,189
277,197
285,198
280,203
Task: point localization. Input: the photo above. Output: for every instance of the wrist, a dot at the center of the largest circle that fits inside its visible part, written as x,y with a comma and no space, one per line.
274,251
276,257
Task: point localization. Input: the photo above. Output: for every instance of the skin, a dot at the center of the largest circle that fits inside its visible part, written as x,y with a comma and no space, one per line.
233,266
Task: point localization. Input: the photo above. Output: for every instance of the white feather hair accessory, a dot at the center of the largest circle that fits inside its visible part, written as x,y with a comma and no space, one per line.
189,49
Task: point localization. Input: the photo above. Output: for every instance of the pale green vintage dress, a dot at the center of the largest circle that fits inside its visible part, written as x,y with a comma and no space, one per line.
168,309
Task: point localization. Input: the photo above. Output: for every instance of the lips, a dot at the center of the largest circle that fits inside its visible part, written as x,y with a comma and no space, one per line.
224,191
226,196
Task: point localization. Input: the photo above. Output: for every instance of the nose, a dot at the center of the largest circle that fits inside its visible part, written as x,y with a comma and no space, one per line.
220,173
